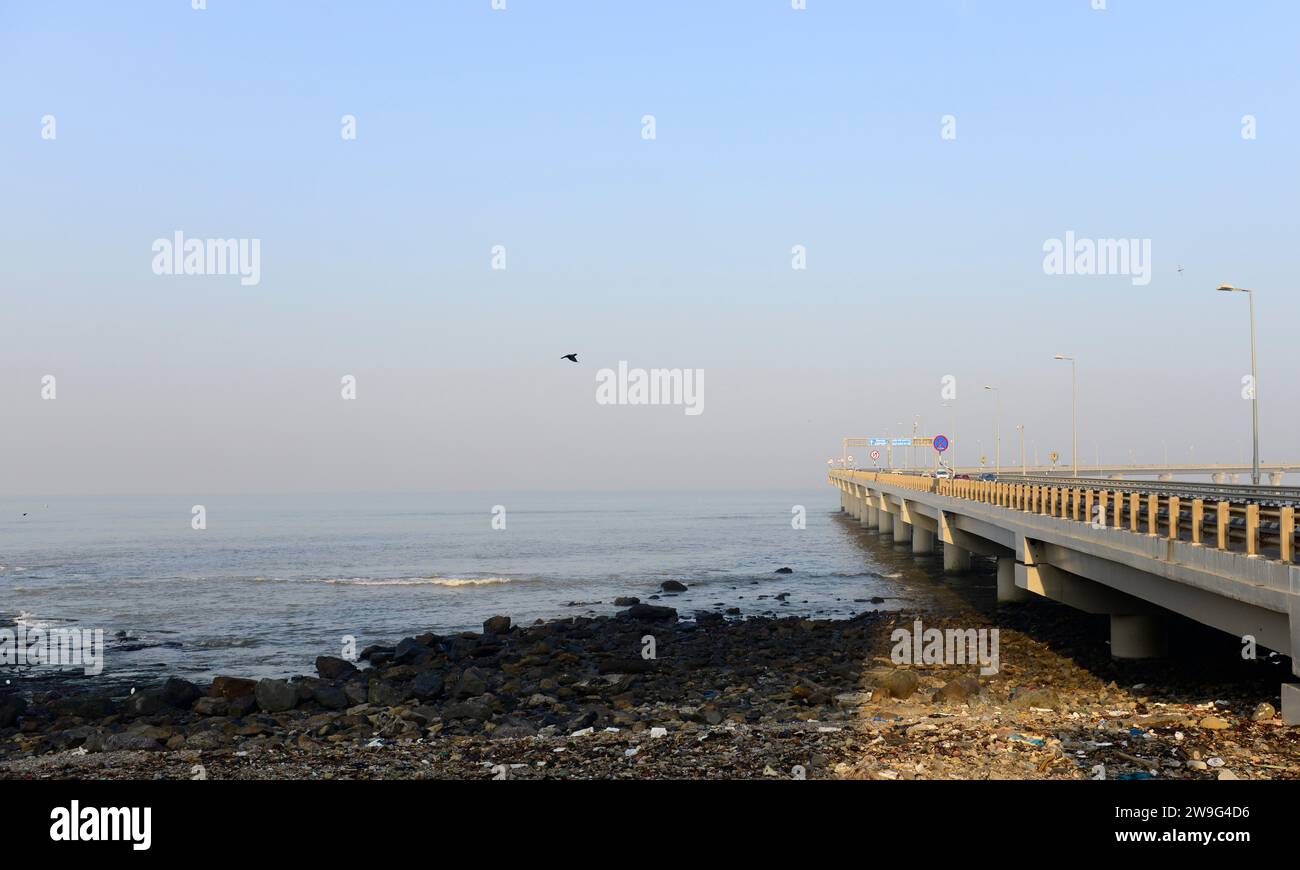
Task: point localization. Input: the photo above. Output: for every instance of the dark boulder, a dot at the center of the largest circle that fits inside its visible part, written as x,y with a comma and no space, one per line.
649,613
332,667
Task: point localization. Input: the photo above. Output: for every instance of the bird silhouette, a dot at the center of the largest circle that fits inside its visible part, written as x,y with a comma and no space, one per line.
571,357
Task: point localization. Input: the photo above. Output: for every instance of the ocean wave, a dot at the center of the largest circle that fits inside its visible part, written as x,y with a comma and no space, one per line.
452,582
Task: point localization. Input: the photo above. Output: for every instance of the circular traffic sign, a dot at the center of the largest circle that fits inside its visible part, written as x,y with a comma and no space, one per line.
941,443
875,456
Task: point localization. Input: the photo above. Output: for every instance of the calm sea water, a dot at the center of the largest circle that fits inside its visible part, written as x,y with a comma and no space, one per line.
274,581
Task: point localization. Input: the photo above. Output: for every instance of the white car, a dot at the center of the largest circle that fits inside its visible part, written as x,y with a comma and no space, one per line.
943,473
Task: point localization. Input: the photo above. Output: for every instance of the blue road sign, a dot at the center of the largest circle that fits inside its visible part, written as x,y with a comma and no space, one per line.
941,443
902,442
878,442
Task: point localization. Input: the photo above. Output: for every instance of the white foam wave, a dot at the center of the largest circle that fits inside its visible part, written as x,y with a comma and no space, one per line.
412,581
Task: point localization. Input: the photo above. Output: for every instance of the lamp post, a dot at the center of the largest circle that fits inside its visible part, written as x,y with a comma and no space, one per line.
953,406
998,399
1074,406
1021,429
1254,381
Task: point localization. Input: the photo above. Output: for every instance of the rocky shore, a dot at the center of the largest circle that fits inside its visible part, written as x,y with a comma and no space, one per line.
646,694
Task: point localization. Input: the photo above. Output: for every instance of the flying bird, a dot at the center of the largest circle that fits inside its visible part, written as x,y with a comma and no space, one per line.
571,357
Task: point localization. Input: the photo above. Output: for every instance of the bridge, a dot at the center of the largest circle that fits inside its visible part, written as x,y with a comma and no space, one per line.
1218,473
1135,551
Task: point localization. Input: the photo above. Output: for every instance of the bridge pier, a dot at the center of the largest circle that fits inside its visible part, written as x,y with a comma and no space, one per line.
922,540
956,560
873,516
1275,477
902,531
1166,476
1219,477
1008,591
886,520
1291,703
1137,636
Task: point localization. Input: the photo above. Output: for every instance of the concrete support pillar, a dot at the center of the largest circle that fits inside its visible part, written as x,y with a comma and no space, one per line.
886,522
1166,476
1135,636
922,540
873,517
1275,477
864,515
902,531
956,560
1291,703
1008,591
855,506
1219,477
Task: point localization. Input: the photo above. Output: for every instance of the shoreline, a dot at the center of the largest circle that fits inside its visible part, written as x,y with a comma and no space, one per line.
755,697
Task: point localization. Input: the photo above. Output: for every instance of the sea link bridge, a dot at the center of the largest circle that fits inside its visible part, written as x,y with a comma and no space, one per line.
1223,555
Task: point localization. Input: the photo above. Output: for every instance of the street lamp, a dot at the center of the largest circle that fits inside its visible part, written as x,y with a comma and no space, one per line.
1074,406
1254,380
953,440
998,399
1021,429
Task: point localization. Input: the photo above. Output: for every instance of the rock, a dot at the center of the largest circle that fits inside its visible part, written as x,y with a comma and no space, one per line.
383,694
810,693
332,667
626,601
11,708
180,693
1042,698
496,625
708,617
210,706
658,732
377,654
276,696
672,586
900,684
471,683
513,729
427,685
357,691
206,740
409,649
471,709
232,687
1263,713
783,571
650,613
130,742
241,706
81,706
329,697
1214,723
1227,774
146,703
960,689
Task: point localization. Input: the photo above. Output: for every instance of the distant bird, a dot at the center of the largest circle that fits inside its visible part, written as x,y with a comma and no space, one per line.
24,513
571,357
1180,270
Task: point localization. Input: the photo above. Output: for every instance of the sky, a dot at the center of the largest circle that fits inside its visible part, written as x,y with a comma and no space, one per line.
829,127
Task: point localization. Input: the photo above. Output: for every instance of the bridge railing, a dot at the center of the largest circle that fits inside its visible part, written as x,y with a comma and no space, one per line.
1256,530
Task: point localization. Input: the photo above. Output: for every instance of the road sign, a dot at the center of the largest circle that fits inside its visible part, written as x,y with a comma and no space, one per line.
921,440
878,442
941,443
902,442
875,456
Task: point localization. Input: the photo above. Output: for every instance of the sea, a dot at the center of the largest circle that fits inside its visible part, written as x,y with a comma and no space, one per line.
269,582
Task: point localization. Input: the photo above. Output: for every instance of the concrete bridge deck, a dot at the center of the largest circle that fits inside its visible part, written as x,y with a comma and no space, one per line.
1133,555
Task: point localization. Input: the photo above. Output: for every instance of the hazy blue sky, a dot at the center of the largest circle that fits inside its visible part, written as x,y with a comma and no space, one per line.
522,128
